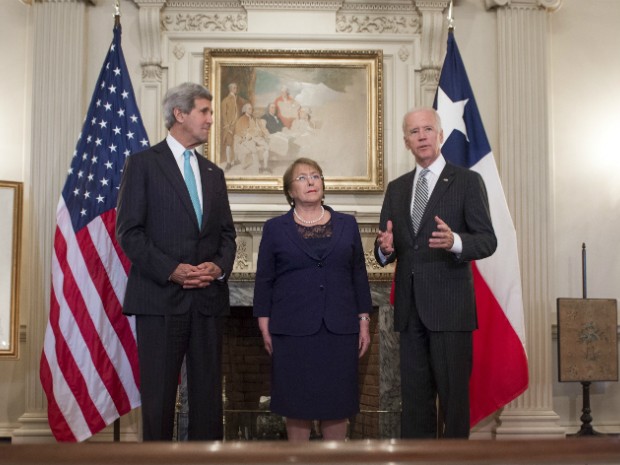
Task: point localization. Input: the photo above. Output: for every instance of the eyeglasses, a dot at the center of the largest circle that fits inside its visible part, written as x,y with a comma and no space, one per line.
306,179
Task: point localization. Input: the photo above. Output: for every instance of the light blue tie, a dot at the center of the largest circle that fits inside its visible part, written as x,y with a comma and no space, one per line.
190,180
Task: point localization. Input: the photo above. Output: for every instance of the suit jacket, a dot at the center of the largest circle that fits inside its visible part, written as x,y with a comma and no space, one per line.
441,282
299,290
157,228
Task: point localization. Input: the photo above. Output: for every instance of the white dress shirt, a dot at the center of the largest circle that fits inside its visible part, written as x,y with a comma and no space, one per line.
177,150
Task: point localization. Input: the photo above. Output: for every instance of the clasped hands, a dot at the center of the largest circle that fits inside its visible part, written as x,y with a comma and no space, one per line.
442,238
196,276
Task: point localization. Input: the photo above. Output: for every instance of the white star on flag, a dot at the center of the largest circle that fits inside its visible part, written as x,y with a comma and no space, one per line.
451,114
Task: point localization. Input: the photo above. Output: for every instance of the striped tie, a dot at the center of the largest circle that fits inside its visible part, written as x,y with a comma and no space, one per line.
190,180
420,200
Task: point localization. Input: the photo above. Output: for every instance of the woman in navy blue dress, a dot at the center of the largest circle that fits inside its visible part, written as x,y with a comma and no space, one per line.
312,300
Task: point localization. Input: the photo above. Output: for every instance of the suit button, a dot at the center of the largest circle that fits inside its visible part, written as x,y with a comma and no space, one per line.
416,247
320,264
321,287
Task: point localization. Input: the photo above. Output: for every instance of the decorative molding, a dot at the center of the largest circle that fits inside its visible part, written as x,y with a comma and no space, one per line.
432,33
231,22
550,5
371,261
404,53
321,5
430,76
377,24
30,2
178,51
387,6
242,259
430,4
151,73
249,235
150,41
201,4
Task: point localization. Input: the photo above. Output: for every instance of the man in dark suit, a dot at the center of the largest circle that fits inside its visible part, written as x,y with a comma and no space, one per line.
180,239
434,301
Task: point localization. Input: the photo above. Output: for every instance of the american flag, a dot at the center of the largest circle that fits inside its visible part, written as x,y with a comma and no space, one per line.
89,365
500,372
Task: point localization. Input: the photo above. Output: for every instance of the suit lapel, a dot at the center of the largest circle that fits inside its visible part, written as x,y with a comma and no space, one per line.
406,192
170,169
337,230
441,187
208,181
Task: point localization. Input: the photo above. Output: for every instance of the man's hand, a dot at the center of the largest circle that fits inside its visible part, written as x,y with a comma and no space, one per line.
195,277
181,273
385,239
202,275
442,238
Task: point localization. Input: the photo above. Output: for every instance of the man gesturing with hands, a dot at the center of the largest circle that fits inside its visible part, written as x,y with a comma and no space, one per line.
435,221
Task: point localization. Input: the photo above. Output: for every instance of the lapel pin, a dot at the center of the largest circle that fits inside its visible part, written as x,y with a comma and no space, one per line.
445,179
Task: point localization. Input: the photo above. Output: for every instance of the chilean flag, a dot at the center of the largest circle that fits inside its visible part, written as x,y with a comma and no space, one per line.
500,372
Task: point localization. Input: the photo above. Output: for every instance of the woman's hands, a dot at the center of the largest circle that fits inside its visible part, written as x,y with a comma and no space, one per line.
364,337
263,324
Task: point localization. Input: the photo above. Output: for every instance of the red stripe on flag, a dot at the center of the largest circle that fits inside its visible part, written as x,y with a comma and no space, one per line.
64,356
500,372
88,328
79,309
60,428
109,220
111,306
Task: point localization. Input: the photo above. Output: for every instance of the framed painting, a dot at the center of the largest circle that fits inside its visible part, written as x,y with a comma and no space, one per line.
10,245
272,107
587,339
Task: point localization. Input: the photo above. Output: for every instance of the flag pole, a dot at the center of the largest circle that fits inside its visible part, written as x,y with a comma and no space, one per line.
116,435
450,18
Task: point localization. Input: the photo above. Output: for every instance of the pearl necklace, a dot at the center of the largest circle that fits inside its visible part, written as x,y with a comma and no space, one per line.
310,221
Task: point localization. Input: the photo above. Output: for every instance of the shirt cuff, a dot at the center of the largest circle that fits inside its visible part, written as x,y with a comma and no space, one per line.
457,247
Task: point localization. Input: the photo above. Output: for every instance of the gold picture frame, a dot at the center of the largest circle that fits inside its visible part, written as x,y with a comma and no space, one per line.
10,250
587,340
328,106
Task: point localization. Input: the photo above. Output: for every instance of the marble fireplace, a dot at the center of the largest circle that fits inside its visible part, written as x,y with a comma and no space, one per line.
246,365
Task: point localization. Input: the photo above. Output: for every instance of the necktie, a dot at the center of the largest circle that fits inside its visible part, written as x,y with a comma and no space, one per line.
190,181
420,200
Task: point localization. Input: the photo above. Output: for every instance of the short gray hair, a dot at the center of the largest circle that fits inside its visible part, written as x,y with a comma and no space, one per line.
418,109
182,97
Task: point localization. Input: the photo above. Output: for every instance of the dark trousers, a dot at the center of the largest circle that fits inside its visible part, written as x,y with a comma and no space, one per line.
434,365
163,341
